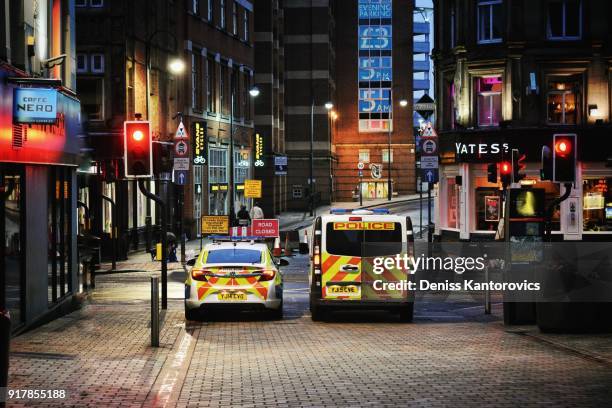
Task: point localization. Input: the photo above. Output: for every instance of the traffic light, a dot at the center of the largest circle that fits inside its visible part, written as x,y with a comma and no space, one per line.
492,173
518,165
505,173
547,167
564,158
137,154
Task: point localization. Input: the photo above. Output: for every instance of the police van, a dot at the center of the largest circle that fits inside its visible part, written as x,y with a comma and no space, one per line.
345,256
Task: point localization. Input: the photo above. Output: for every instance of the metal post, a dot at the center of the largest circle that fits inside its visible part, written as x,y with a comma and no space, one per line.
154,311
164,241
182,222
487,293
420,209
113,231
389,149
429,212
361,188
311,182
231,153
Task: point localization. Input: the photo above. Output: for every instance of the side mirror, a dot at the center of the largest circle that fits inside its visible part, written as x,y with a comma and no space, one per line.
283,262
191,262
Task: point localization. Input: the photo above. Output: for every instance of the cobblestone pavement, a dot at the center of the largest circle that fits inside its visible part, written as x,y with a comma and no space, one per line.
452,355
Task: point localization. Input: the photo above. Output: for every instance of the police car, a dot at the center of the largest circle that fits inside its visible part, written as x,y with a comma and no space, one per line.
234,273
344,251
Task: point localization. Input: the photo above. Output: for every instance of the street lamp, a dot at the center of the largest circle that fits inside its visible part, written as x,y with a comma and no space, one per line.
254,92
403,103
176,66
329,106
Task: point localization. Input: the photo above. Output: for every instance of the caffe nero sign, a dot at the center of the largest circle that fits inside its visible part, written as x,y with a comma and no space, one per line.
32,105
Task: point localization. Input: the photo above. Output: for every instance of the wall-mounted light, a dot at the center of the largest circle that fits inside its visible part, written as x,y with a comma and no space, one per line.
403,103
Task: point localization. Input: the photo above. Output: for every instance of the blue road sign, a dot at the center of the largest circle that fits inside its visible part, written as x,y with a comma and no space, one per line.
180,177
429,175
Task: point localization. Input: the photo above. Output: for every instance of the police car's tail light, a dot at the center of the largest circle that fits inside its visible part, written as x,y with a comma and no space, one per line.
267,275
199,274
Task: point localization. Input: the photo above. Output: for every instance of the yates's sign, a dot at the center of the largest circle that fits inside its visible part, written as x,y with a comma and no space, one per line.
482,151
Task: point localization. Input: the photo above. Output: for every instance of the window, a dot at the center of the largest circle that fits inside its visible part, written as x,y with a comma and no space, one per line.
222,89
242,164
82,65
297,191
195,7
59,229
385,155
96,3
222,11
246,24
234,18
235,92
217,166
488,205
247,96
489,21
196,80
564,20
364,155
97,63
353,243
237,256
563,100
452,203
453,24
80,3
597,204
488,100
91,94
210,11
211,85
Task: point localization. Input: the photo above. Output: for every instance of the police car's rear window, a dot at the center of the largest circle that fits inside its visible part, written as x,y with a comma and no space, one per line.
354,243
233,255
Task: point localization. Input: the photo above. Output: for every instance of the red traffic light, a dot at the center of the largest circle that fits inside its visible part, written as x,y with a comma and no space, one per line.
505,168
563,147
137,149
137,135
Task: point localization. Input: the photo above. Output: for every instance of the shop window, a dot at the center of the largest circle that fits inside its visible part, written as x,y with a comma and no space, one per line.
597,204
563,100
91,94
452,203
488,100
59,229
489,21
385,156
564,20
12,273
488,206
364,155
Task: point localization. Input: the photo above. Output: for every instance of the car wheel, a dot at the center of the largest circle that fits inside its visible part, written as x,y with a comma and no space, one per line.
192,314
276,314
406,313
317,313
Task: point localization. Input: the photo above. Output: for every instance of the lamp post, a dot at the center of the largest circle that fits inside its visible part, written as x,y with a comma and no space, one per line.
402,103
253,92
175,66
329,106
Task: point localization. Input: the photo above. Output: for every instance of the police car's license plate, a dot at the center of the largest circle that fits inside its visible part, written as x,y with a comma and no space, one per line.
351,290
232,296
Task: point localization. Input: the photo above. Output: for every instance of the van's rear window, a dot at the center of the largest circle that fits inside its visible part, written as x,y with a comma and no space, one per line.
354,242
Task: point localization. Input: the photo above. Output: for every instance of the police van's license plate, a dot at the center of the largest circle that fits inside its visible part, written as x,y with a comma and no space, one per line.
352,290
232,296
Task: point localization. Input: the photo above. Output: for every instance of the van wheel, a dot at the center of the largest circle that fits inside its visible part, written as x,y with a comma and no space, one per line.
317,313
406,313
192,314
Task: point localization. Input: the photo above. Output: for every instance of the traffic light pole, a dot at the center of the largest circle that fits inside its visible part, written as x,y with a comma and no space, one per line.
551,209
164,241
113,230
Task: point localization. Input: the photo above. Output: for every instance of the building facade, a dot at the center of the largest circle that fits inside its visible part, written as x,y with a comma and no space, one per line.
510,75
40,150
374,74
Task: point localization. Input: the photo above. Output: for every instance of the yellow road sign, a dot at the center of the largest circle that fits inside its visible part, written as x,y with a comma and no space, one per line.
215,224
252,188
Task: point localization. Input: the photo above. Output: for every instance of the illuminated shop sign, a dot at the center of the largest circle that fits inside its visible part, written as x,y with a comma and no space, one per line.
198,135
375,9
32,105
375,71
259,151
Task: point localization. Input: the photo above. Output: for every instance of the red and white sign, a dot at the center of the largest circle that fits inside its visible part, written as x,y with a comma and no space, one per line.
265,228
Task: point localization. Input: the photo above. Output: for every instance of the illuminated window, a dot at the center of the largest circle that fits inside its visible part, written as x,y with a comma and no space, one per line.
385,155
452,203
489,21
364,155
563,100
597,204
488,101
97,63
564,20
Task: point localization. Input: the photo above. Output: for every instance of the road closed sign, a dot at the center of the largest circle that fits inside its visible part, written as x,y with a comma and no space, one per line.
215,224
265,228
252,188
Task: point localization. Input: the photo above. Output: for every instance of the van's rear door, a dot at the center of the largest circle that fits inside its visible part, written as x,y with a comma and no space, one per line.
341,260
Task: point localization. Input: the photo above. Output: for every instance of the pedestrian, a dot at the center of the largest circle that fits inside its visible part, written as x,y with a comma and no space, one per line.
243,217
256,212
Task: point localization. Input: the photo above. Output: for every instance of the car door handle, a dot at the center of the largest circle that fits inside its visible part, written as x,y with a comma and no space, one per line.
349,268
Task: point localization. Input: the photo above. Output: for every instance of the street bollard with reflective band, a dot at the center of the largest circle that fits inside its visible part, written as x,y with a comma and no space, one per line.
154,311
5,340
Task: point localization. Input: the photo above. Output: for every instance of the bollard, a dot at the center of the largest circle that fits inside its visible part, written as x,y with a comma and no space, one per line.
154,311
487,294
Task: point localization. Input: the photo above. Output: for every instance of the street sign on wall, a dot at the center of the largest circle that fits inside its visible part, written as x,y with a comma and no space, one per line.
198,142
181,155
259,151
